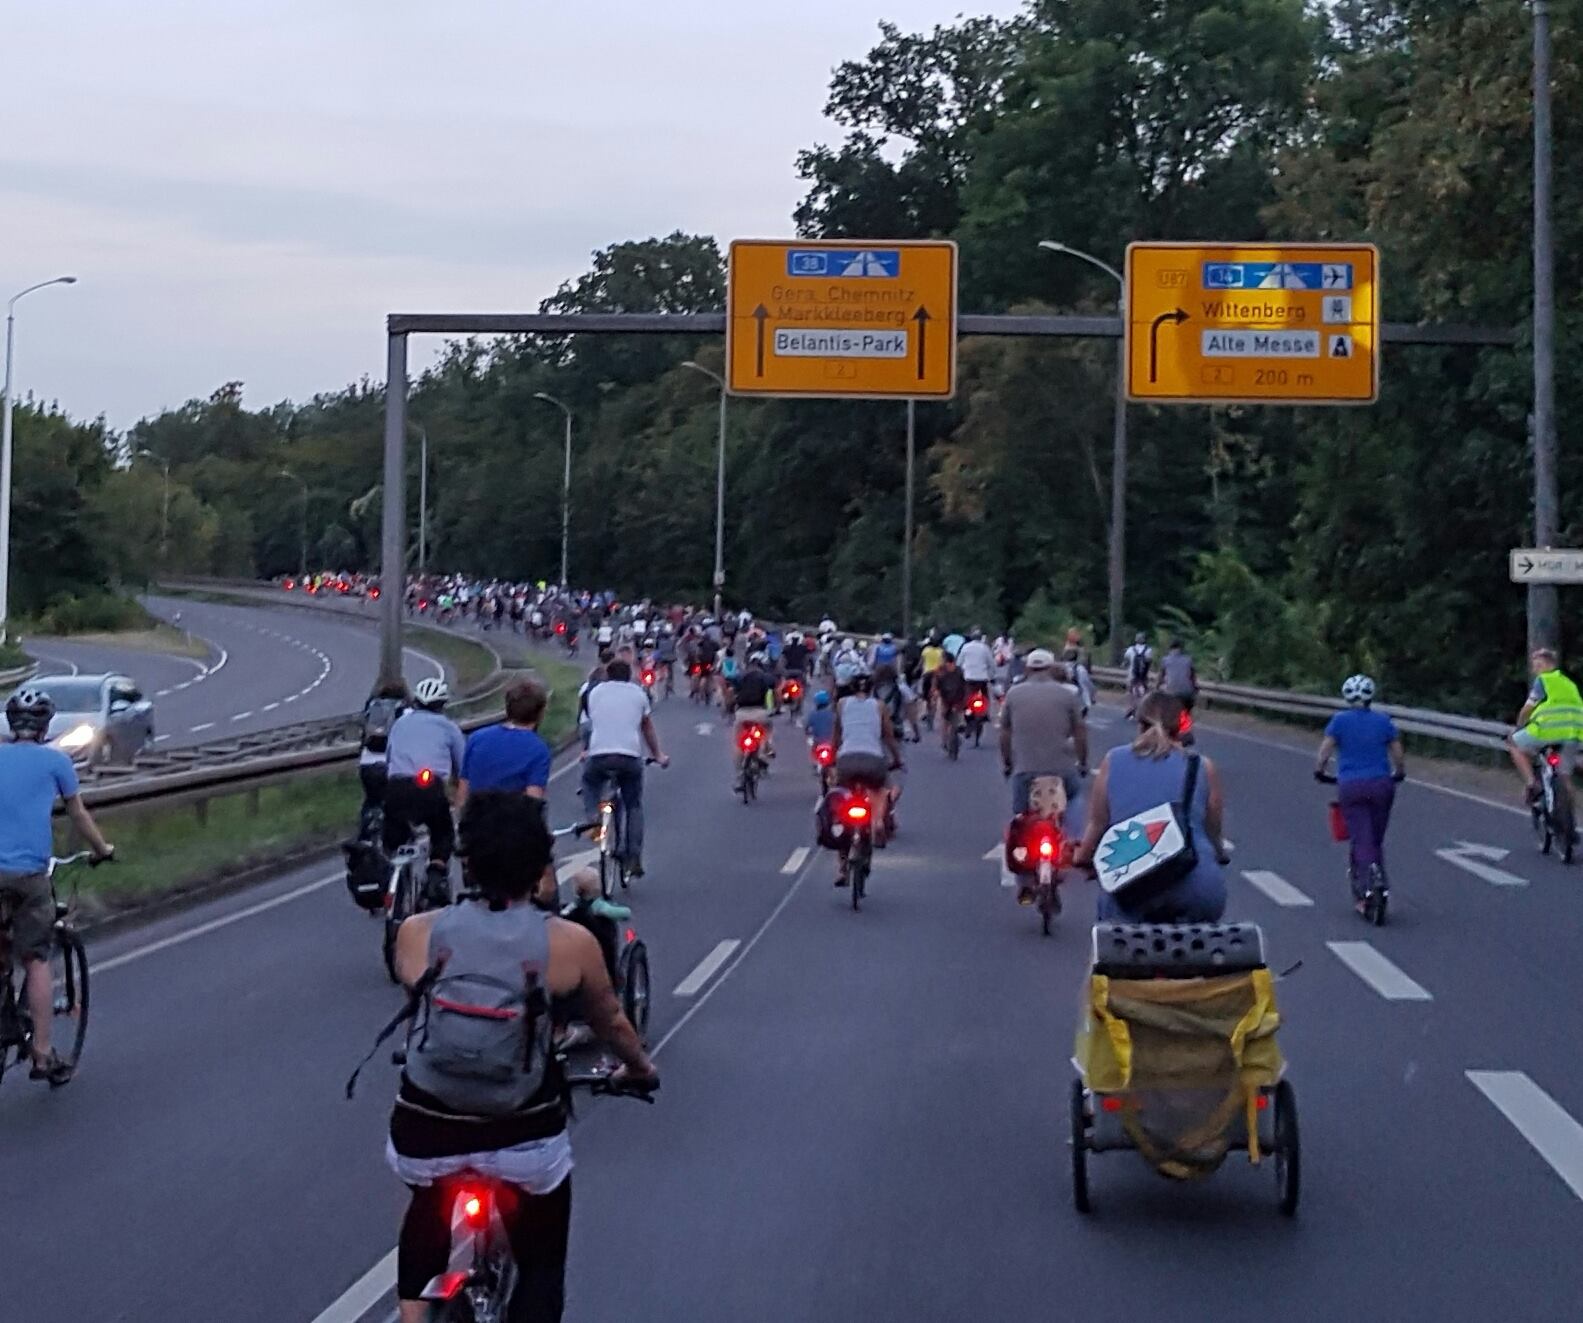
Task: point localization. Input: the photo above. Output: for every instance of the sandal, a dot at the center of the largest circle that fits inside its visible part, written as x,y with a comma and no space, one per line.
56,1070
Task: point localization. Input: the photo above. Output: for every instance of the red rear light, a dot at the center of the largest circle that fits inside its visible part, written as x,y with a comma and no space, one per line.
289,584
794,689
374,593
1261,1101
423,603
648,677
631,935
824,754
857,812
1110,1104
977,705
1185,725
425,777
560,627
1553,758
1046,848
473,1209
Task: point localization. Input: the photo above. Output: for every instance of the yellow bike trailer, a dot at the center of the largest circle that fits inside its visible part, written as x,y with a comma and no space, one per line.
1177,1056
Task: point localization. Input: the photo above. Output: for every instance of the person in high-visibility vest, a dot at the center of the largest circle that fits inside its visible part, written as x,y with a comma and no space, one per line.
1552,716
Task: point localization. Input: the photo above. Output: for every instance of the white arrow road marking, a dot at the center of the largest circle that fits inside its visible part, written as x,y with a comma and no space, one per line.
1466,856
1277,888
577,861
704,728
1378,972
994,852
1539,1119
795,860
707,968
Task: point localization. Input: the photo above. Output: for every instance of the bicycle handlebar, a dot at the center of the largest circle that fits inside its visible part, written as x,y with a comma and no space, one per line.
93,860
603,1082
1325,778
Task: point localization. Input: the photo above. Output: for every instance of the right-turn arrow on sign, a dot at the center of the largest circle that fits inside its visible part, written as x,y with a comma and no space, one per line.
1546,565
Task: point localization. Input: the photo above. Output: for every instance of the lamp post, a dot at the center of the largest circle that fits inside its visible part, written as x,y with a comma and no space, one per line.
1118,467
1544,625
720,482
423,500
302,566
7,400
566,480
164,509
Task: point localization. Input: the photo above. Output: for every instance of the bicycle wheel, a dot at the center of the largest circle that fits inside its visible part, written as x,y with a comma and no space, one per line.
953,742
1565,824
857,872
10,1026
1079,1149
635,989
400,907
69,970
1288,1149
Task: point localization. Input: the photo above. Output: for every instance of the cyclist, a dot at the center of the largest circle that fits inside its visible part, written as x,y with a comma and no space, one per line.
510,756
929,662
665,659
751,696
1553,715
899,700
1178,678
950,695
977,663
953,642
32,777
847,654
380,714
1137,661
1042,731
794,657
866,749
820,725
1135,778
884,652
621,724
436,1133
426,751
1369,762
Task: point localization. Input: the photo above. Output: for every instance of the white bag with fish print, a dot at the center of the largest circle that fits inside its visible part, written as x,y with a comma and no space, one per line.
1150,851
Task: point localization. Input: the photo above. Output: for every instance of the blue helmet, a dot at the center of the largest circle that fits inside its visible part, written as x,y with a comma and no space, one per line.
822,698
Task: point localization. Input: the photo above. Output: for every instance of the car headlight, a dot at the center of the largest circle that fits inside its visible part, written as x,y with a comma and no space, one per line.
78,737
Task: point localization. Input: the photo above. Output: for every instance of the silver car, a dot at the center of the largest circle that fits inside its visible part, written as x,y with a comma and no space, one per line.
98,718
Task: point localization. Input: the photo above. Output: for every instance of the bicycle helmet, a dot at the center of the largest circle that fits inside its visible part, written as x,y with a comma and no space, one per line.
431,693
29,711
822,698
1358,689
845,674
758,659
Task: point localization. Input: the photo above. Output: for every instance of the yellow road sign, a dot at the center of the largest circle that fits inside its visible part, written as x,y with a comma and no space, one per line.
841,317
1253,323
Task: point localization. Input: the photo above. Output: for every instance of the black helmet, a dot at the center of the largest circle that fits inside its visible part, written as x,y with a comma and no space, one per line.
29,711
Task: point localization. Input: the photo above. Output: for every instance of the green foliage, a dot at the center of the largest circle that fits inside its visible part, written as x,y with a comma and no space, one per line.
94,613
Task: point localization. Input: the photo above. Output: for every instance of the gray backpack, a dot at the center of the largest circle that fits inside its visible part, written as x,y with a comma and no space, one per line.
480,1037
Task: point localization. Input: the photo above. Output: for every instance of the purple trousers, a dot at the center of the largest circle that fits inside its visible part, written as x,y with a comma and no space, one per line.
1366,806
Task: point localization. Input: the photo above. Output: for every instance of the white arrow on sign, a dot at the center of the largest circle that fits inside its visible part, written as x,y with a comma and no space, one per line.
1466,856
1546,565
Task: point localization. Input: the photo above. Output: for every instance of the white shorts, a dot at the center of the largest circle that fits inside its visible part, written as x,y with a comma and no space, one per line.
538,1166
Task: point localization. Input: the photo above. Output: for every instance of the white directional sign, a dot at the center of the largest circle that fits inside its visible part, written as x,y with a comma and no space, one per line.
1530,565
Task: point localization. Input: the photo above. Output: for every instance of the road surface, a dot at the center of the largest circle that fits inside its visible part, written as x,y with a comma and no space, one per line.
863,1115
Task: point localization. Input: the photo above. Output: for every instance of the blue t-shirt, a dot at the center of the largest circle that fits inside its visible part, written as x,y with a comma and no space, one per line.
504,758
821,725
1363,738
31,776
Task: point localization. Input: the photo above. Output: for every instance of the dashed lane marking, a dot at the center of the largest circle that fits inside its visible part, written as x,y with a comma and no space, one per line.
1539,1119
241,716
206,725
1277,888
1378,972
795,860
707,968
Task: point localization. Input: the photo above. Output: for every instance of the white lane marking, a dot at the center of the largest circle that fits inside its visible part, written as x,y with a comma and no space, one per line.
1228,842
1466,856
1378,972
707,967
159,738
269,707
1277,888
995,852
575,862
1539,1119
704,728
363,1294
206,725
796,859
225,921
241,716
291,698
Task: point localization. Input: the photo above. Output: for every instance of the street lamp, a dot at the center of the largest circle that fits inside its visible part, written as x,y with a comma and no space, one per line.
423,501
566,480
1118,468
164,510
6,401
720,482
302,564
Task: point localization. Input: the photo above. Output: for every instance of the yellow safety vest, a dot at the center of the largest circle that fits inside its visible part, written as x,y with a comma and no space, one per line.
1560,717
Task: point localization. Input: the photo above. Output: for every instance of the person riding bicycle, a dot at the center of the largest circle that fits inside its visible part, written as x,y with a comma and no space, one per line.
32,777
448,1119
795,655
820,725
1138,777
929,662
977,663
1552,716
950,694
1178,677
898,698
510,756
866,750
426,751
1042,732
751,697
1369,763
1137,661
621,725
665,657
884,652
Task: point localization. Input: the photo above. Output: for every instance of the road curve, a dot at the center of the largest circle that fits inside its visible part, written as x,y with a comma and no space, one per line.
862,1114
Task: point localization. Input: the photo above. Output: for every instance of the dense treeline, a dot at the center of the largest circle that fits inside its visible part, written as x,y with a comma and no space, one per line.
1294,545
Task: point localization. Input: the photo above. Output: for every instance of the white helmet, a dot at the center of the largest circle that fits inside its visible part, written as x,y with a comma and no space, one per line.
1358,689
794,637
431,693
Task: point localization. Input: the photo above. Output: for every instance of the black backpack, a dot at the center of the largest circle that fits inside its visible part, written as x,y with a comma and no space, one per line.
378,718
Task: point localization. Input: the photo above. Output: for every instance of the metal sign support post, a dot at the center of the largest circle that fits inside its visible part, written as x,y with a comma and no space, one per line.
1544,625
393,543
906,546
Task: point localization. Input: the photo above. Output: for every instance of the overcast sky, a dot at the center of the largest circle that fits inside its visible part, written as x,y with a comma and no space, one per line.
246,187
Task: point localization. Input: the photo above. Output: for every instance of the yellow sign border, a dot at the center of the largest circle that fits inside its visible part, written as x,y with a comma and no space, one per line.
1279,402
854,244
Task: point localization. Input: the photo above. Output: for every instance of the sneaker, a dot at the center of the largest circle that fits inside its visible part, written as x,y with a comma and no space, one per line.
1025,895
635,868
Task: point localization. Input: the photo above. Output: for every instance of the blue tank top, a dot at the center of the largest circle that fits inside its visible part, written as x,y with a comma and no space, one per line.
1137,784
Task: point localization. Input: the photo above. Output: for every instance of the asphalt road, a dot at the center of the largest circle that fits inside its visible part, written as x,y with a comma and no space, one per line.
266,666
863,1115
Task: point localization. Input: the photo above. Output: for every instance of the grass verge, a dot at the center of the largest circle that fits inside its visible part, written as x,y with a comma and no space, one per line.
469,663
161,638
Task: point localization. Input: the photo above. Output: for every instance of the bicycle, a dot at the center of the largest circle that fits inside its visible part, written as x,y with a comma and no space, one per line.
953,732
480,1290
1377,895
751,740
977,714
610,830
413,886
857,849
1553,814
68,976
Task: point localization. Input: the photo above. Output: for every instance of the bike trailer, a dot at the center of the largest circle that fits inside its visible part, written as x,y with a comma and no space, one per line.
1176,1043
